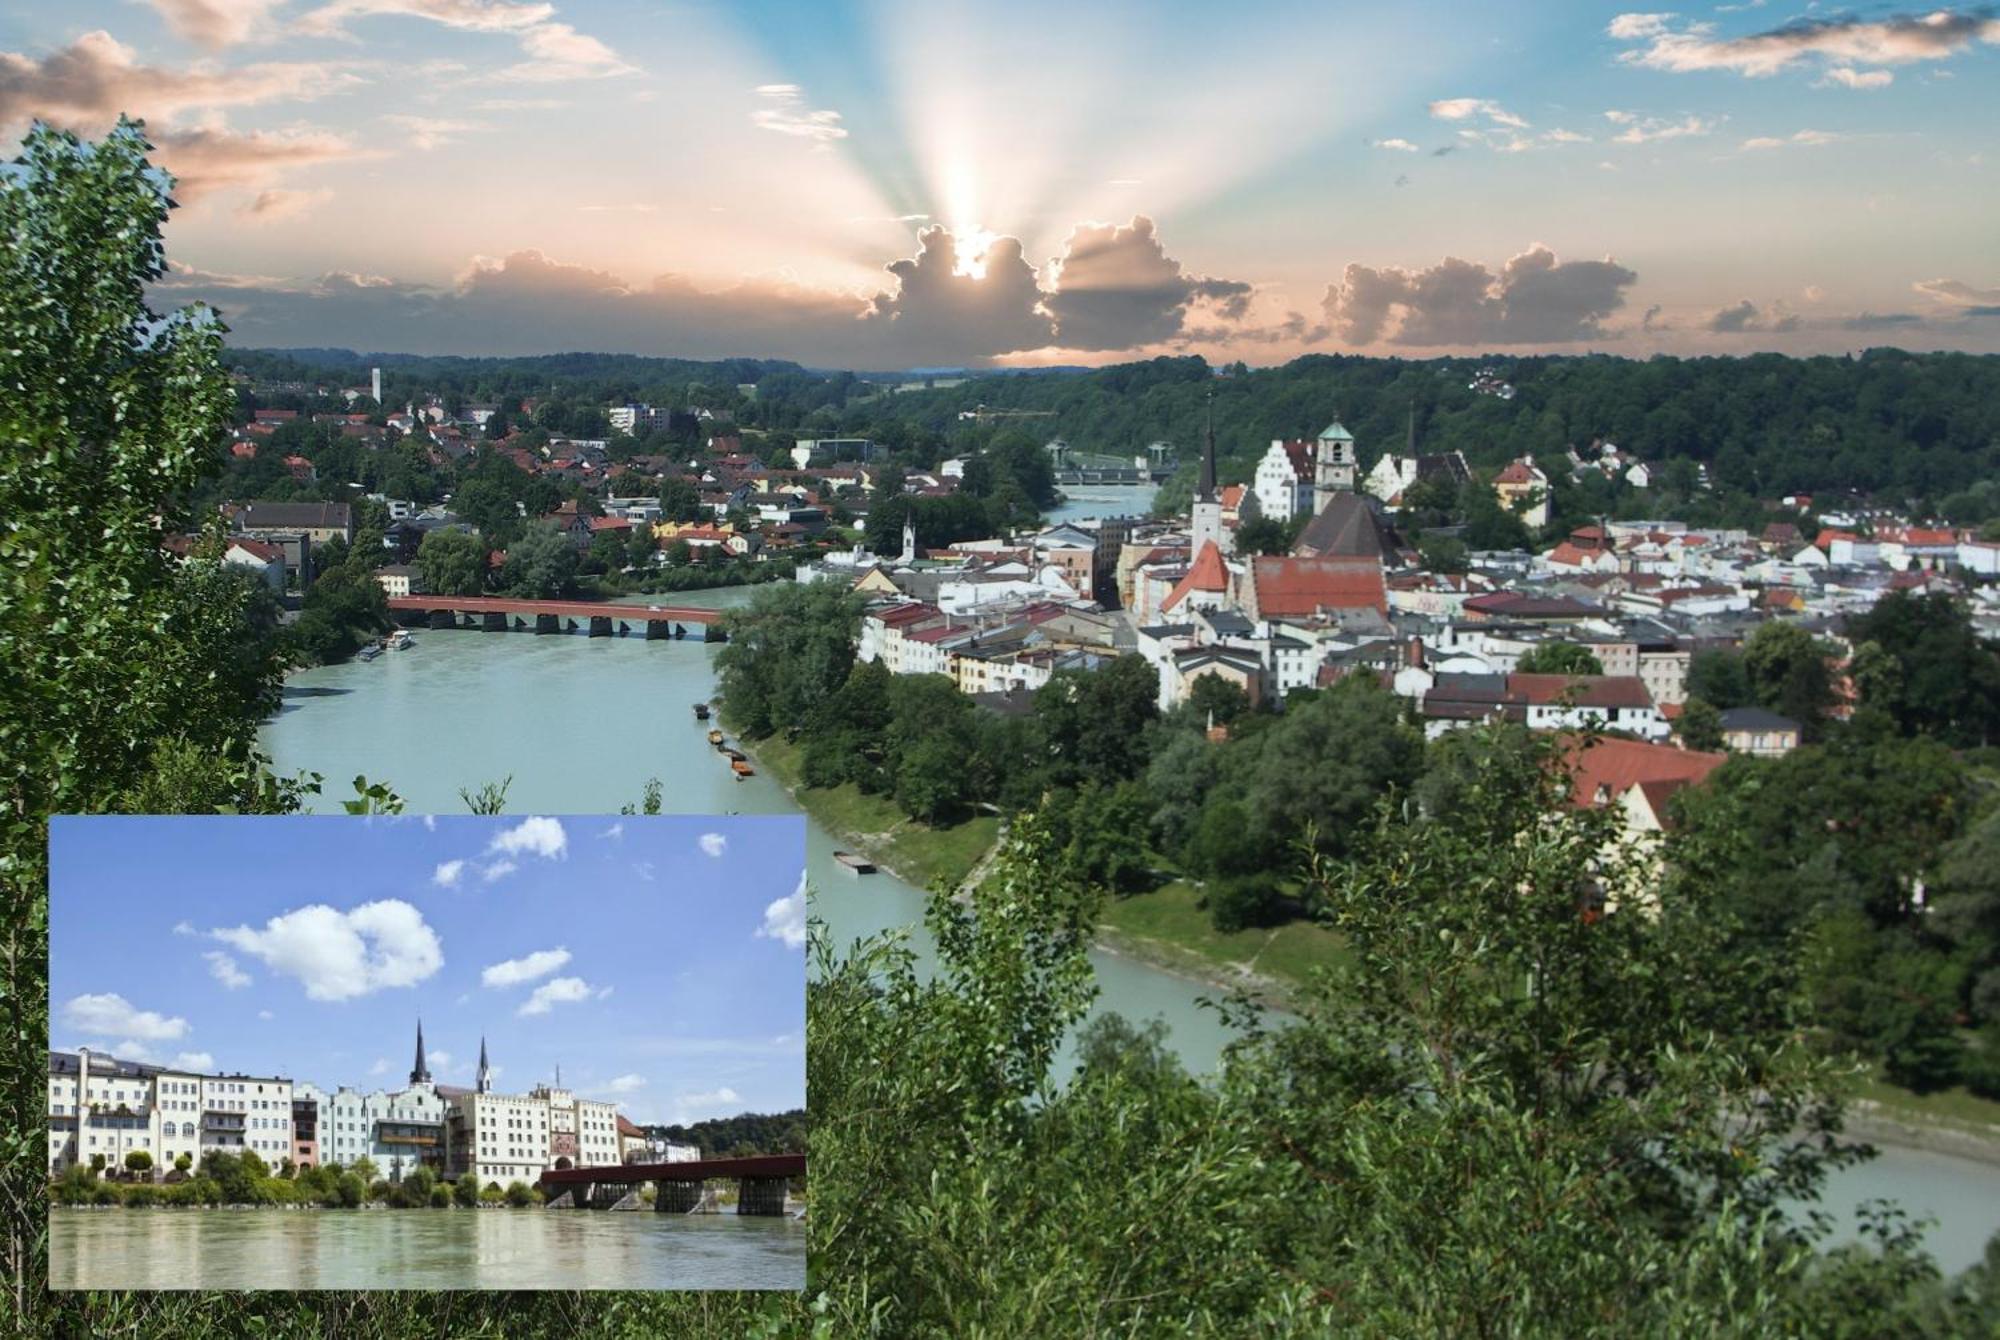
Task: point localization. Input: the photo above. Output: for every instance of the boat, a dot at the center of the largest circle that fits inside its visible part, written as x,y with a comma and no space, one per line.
400,640
369,652
715,738
855,864
701,711
741,769
734,755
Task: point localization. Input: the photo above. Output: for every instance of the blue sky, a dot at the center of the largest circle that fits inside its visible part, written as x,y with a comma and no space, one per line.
1054,182
658,961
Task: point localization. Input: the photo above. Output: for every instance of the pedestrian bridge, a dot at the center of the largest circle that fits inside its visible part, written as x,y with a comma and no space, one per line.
499,614
761,1183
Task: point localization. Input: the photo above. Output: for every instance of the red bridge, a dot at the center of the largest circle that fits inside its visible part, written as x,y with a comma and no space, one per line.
761,1178
601,618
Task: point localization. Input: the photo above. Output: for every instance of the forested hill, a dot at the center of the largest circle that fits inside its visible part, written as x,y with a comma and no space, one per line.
748,1133
608,378
1922,424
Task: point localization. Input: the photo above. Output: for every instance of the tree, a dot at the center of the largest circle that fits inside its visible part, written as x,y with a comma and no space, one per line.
788,650
518,1195
183,1162
1787,671
466,1191
1444,553
1718,677
680,500
453,563
542,563
364,1168
1560,658
351,1190
1265,535
440,1197
1918,658
138,1161
1213,698
1094,721
1699,725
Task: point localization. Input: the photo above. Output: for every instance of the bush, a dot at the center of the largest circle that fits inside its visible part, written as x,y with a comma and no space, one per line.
378,1189
1238,901
466,1191
519,1195
139,1161
142,1196
350,1191
417,1186
104,1194
440,1197
491,1194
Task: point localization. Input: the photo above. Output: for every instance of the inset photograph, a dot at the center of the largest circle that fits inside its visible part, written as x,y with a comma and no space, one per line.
427,1053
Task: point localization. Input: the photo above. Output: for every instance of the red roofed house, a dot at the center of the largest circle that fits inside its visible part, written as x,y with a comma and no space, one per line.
1297,588
301,469
1576,702
1206,585
1641,780
1523,488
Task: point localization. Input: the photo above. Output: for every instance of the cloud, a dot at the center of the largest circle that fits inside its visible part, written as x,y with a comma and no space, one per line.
558,991
615,832
716,1102
1400,146
1957,292
432,132
447,874
279,203
1462,109
713,844
266,1015
1807,137
1651,320
224,970
212,157
1745,317
626,1084
1849,40
785,919
558,53
555,51
340,955
1849,77
1535,299
786,113
438,1057
95,78
990,305
1115,287
1645,130
535,836
497,870
184,928
193,1061
215,23
1881,321
111,1015
515,971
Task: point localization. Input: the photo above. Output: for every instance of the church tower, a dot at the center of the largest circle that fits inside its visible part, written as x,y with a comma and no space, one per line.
1207,511
420,1073
1333,466
909,540
484,1083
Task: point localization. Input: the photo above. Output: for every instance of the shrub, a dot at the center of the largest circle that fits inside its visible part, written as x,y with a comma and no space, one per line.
378,1190
440,1197
350,1191
491,1194
518,1195
104,1194
1237,901
139,1161
142,1196
466,1191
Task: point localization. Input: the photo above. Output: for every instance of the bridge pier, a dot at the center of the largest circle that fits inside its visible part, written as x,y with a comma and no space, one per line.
493,623
676,1197
712,632
658,628
761,1195
624,629
547,623
600,625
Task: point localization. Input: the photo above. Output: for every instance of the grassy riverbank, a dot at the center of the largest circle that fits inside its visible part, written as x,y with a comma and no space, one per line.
914,852
1169,927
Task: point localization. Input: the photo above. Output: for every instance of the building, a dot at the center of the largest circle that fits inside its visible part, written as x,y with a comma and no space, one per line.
500,1138
296,528
1206,518
1393,475
1523,489
1334,465
100,1106
1752,730
398,1132
1283,483
400,579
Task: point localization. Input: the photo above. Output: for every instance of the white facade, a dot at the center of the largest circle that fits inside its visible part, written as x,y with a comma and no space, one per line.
502,1138
1334,465
1281,494
389,1129
114,1108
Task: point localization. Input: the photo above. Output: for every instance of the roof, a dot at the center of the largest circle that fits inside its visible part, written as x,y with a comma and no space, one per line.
1580,690
270,553
1336,432
1208,573
1518,472
1610,766
1755,718
1288,586
1346,528
296,516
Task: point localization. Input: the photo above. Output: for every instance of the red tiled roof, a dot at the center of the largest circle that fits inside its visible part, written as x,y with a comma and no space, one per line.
1299,586
270,553
1619,765
609,523
1517,472
1208,573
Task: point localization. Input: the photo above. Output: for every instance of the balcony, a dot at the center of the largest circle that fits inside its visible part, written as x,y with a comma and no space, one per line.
231,1123
416,1134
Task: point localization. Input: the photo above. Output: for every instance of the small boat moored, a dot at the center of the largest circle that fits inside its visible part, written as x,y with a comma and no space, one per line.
854,864
701,711
400,640
369,652
715,738
741,769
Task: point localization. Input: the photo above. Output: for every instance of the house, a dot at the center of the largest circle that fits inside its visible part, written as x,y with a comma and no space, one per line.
1347,527
295,527
1393,475
1288,588
1641,779
1576,702
1522,488
400,579
262,557
1752,730
1283,483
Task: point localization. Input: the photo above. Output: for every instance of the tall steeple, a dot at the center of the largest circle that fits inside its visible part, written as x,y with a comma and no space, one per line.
421,1074
484,1083
1205,487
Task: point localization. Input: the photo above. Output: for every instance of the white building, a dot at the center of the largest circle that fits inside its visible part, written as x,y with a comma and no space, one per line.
101,1106
1283,484
502,1137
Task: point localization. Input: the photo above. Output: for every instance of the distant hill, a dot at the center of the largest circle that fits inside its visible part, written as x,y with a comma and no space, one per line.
740,1136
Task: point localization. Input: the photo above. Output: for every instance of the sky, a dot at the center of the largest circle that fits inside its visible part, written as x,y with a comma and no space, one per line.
659,961
879,183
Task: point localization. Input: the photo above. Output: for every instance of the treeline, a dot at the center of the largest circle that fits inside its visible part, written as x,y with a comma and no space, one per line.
246,1179
742,1135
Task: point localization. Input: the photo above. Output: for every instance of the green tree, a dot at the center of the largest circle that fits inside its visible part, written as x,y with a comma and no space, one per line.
542,563
1560,658
680,500
1788,674
351,1190
1699,725
789,649
519,1196
466,1191
453,563
1719,677
138,1161
1094,721
183,1162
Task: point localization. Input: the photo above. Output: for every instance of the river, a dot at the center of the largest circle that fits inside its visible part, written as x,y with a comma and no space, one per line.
422,1249
580,724
1082,501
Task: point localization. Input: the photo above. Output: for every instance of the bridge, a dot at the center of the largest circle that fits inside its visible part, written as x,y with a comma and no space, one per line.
761,1181
499,614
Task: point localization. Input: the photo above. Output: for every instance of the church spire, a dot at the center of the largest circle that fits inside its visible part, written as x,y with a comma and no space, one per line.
421,1073
484,1083
1205,488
